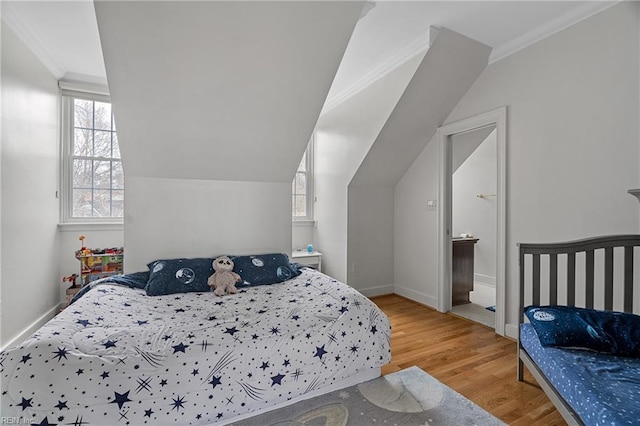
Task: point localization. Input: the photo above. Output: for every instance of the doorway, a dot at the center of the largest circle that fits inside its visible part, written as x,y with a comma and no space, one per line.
473,224
456,143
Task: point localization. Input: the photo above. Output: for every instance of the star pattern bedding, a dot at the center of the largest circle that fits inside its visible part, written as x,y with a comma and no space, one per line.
117,356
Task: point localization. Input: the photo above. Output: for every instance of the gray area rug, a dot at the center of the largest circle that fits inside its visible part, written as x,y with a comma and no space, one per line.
405,398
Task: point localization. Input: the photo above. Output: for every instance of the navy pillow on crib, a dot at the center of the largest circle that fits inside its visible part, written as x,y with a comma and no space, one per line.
610,332
263,269
169,276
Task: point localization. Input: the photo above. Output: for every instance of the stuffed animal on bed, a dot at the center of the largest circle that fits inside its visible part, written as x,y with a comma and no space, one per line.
223,279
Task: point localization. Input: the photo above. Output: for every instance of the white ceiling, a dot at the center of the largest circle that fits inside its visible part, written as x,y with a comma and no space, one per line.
64,34
184,113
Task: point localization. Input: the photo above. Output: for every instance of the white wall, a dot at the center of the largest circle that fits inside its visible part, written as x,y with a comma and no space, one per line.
214,118
237,86
473,215
572,147
168,218
343,137
370,253
450,66
302,235
29,264
415,230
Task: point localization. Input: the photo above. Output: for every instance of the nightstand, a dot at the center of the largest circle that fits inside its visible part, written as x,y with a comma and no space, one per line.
313,259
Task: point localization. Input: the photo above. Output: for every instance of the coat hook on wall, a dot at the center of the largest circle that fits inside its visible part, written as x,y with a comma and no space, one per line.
485,195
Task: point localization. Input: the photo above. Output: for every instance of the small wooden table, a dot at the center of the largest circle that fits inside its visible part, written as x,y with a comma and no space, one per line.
462,269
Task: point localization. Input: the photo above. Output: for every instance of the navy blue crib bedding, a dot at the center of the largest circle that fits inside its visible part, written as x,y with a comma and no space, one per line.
118,356
601,388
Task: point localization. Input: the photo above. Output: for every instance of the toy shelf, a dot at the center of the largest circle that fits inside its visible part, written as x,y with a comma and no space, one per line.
98,263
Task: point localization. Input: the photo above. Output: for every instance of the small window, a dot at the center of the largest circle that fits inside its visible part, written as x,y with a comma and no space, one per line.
302,190
93,175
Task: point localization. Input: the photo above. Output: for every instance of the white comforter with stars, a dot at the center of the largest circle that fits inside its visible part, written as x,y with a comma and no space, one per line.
117,356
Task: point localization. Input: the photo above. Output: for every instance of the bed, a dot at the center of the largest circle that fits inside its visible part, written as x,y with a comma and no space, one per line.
119,356
578,337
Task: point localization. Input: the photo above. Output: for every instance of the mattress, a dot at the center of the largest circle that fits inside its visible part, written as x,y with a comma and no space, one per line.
601,388
118,356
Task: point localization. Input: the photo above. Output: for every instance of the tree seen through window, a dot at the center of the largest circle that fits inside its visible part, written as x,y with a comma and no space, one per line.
97,180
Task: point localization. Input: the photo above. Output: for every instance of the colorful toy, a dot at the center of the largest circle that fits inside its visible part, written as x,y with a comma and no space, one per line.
72,279
98,263
84,251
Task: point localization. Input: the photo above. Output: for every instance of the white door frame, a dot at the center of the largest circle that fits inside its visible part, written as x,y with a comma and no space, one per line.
444,133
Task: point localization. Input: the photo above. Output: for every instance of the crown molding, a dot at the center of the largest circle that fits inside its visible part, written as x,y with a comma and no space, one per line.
416,47
586,10
366,8
421,44
79,87
12,18
84,83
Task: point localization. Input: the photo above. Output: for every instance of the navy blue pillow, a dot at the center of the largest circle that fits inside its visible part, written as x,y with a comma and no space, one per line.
171,276
263,269
133,280
603,331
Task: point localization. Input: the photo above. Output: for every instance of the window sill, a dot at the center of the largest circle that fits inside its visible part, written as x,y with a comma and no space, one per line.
90,226
307,223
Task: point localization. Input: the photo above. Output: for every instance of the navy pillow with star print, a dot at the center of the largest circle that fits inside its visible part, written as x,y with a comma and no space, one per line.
571,327
170,276
263,269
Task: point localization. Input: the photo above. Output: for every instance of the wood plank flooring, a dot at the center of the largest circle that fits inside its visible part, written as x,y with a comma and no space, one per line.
467,357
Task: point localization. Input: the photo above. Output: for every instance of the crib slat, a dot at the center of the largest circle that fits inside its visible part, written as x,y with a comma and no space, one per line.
608,278
571,279
589,272
628,279
536,279
553,279
521,267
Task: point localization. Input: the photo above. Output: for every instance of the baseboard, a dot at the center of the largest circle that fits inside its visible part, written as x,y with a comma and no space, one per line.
511,330
417,296
376,291
32,328
483,294
485,279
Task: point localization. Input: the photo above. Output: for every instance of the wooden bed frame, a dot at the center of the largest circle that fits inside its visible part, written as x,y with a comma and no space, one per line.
589,247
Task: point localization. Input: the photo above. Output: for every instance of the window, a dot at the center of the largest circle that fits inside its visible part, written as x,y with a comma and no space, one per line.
302,191
93,177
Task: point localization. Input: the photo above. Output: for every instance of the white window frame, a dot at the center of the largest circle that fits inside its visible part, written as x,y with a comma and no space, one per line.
68,93
310,184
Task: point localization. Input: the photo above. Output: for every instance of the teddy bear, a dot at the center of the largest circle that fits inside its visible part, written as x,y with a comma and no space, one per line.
223,279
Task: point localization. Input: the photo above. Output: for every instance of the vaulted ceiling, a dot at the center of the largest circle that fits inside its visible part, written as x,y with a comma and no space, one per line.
232,90
220,90
64,34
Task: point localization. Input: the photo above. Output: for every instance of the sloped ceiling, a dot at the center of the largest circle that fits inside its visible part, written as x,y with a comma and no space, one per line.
220,90
449,68
466,144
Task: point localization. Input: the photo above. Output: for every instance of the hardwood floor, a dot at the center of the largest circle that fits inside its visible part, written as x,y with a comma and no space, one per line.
467,357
